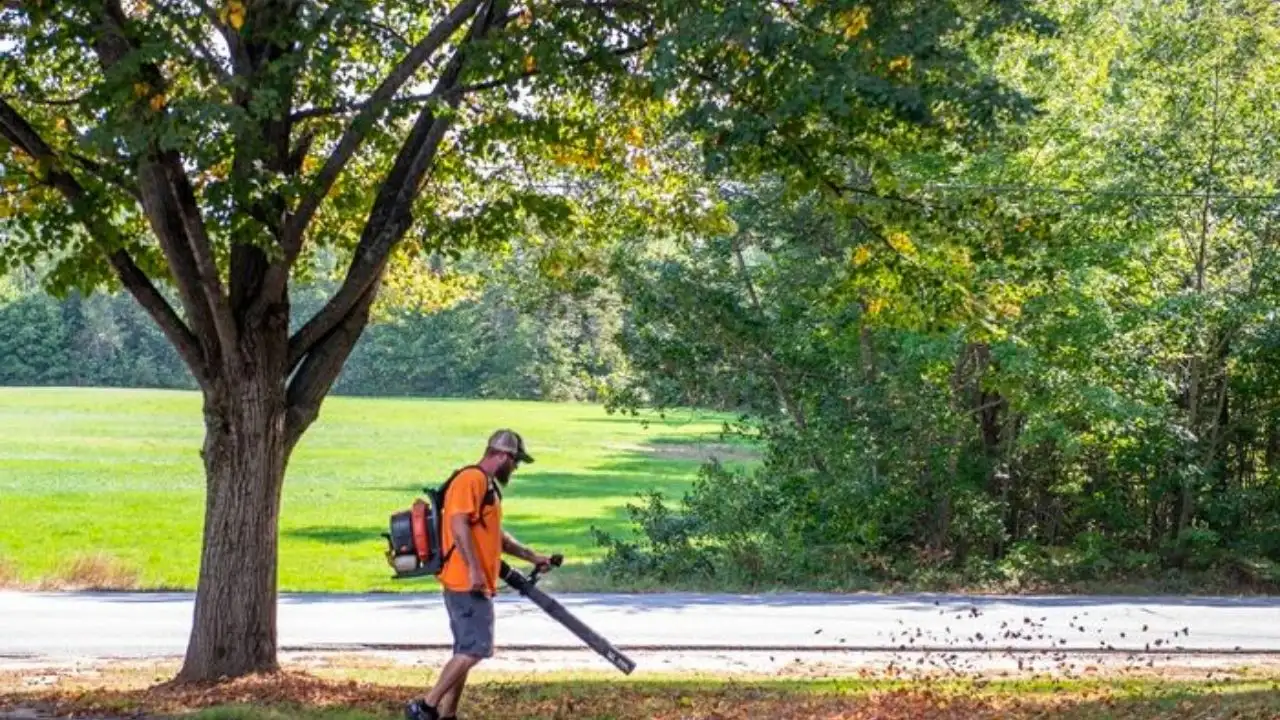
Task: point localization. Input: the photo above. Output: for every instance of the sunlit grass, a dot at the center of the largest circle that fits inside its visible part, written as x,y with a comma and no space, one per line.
117,474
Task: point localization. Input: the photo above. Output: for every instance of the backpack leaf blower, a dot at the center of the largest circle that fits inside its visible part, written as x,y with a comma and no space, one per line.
414,551
413,543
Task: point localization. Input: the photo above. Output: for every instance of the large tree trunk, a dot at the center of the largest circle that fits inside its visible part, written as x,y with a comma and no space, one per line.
245,453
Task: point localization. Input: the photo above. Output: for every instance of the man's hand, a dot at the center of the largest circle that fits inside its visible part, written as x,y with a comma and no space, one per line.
478,584
542,562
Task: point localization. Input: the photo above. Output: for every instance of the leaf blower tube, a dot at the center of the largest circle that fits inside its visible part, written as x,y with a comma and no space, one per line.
527,586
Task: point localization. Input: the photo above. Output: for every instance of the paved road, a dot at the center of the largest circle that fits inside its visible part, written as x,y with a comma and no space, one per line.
61,626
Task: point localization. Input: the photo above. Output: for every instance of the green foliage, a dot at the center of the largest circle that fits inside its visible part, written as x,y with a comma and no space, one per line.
102,340
32,343
982,380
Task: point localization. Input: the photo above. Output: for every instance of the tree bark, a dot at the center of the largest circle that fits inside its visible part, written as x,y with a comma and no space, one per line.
245,452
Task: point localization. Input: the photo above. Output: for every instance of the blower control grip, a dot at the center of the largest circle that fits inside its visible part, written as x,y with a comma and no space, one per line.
556,561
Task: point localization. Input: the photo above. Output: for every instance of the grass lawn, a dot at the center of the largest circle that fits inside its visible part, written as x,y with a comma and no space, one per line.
109,483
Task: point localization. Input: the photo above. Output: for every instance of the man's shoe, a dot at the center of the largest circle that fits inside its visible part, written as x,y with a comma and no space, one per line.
420,710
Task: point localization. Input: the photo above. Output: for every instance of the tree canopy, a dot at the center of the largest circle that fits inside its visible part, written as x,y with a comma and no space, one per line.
205,156
1046,358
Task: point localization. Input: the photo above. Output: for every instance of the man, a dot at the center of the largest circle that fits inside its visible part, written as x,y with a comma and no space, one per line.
474,541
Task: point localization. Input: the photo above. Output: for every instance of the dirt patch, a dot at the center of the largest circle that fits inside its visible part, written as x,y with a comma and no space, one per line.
8,574
694,452
48,712
88,571
97,571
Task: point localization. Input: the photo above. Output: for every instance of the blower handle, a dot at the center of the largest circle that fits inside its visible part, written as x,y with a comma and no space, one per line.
556,561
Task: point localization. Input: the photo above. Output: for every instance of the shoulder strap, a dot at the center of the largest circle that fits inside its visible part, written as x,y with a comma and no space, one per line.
443,492
444,487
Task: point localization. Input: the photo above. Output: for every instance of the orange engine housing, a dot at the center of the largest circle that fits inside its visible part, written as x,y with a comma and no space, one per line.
418,523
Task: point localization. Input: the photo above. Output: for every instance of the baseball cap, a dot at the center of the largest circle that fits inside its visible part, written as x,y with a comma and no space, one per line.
509,441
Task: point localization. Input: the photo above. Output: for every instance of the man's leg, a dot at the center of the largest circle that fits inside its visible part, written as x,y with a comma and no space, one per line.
452,676
443,698
471,618
448,705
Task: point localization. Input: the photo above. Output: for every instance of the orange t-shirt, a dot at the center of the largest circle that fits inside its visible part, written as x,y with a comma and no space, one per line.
466,496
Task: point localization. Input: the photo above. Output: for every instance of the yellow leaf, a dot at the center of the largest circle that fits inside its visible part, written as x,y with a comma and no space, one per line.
530,64
899,64
635,137
1024,224
232,14
875,305
901,242
861,255
158,102
141,89
412,283
855,21
642,163
526,18
61,124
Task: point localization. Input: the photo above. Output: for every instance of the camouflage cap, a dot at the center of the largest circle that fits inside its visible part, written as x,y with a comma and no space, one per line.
509,441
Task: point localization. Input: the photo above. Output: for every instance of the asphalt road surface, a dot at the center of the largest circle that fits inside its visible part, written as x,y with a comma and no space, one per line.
65,626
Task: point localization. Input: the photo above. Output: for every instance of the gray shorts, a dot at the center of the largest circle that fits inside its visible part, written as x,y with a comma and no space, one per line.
471,620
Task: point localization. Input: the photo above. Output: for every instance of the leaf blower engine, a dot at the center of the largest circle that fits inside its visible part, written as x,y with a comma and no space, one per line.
414,541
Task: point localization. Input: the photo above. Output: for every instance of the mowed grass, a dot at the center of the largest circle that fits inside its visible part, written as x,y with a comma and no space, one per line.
113,480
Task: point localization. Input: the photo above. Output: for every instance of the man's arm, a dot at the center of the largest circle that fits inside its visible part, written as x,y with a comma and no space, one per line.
511,546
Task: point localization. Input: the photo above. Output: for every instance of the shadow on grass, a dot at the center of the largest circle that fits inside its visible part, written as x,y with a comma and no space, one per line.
626,474
558,535
603,486
336,534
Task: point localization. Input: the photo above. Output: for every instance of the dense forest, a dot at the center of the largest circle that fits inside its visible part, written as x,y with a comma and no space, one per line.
1047,355
486,343
1056,364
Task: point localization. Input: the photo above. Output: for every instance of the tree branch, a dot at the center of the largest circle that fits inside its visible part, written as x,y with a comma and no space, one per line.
388,221
48,102
145,292
313,380
390,216
460,91
353,137
109,174
183,196
199,49
167,228
20,133
170,206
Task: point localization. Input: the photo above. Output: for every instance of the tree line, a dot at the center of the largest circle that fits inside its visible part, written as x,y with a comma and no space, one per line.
488,344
